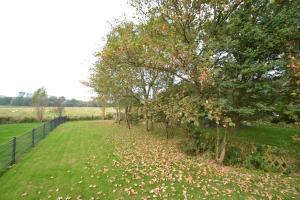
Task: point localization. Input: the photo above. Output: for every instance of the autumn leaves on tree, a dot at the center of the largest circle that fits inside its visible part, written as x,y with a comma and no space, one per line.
231,62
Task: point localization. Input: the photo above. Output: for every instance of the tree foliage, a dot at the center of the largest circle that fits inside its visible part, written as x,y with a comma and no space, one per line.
230,62
39,101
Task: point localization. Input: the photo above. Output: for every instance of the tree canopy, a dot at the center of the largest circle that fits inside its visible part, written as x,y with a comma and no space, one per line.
231,62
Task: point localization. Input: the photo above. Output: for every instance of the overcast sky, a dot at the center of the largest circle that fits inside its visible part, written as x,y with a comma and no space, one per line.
51,43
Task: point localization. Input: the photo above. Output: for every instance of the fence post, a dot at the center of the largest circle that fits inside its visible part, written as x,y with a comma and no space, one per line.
32,137
44,134
13,155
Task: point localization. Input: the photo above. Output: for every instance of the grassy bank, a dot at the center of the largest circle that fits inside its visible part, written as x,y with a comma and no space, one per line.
101,160
7,131
273,135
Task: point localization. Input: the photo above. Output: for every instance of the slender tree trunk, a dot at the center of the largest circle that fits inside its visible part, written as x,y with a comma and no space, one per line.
142,112
147,120
127,118
138,113
223,150
217,142
168,125
167,129
151,122
103,112
119,113
147,124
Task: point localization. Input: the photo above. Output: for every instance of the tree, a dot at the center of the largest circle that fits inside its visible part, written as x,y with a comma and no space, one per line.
39,100
227,61
5,100
234,54
122,73
59,106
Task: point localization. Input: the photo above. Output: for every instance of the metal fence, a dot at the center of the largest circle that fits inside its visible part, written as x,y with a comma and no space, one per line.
15,148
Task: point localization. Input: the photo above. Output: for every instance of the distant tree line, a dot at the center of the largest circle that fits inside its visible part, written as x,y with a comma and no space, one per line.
25,99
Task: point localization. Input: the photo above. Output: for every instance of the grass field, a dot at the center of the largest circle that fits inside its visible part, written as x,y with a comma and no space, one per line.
29,112
273,135
68,111
7,131
101,160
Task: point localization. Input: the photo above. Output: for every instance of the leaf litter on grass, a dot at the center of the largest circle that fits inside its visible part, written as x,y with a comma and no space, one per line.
154,168
145,166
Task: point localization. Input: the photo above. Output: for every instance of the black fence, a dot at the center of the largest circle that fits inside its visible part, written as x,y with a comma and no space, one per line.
11,151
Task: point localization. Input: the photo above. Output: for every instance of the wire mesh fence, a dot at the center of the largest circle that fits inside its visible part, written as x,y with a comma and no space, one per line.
11,151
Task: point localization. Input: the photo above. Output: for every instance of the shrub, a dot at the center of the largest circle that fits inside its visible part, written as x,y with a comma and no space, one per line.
134,118
29,119
78,118
233,156
188,147
290,169
4,120
9,120
108,117
191,145
242,153
256,161
198,142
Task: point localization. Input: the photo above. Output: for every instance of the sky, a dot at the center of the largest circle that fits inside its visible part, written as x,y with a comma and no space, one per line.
50,43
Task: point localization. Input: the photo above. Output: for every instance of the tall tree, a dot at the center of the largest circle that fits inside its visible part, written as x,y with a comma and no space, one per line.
39,100
59,106
228,61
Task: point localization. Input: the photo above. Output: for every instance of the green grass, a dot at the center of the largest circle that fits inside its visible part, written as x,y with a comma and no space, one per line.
59,162
271,135
101,160
7,131
265,134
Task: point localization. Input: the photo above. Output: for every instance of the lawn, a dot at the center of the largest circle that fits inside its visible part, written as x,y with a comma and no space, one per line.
102,160
273,135
8,131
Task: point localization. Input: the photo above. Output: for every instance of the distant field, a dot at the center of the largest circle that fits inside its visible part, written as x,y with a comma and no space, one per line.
21,112
7,131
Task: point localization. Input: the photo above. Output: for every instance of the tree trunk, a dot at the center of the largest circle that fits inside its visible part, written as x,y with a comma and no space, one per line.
151,122
217,142
127,118
147,120
147,124
223,149
104,112
142,112
117,115
167,129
